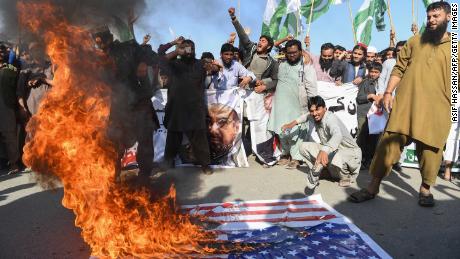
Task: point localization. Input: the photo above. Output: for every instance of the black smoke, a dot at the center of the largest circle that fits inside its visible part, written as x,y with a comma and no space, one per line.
89,14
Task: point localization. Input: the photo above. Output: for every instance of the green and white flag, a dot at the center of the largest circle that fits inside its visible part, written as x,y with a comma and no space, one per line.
274,13
369,11
320,7
292,23
426,3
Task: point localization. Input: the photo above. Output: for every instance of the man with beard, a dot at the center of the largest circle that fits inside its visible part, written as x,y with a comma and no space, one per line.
132,117
232,71
421,107
352,71
223,127
323,63
185,111
296,82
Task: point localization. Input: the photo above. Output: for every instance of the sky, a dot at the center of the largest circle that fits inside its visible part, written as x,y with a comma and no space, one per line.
208,24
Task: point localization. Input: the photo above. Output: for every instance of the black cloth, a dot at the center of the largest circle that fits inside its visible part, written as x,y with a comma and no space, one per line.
132,117
198,141
186,106
367,142
8,106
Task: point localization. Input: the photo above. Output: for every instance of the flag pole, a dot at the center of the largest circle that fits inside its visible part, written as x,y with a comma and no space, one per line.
391,19
299,24
352,25
239,8
413,16
311,15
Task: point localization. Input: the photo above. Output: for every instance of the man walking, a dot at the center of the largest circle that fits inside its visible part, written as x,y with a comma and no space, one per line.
421,107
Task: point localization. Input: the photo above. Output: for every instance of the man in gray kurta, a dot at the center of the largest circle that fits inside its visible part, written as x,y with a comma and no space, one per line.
296,82
337,146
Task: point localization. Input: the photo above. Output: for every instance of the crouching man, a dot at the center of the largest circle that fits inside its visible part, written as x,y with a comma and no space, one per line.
338,151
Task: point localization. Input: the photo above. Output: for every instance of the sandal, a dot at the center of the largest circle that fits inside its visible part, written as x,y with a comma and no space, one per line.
361,196
294,164
345,183
443,176
426,200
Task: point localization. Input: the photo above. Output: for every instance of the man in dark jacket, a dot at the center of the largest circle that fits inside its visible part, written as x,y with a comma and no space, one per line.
8,107
185,111
132,116
352,71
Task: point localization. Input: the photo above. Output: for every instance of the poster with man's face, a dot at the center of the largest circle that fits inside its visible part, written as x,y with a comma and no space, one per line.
224,124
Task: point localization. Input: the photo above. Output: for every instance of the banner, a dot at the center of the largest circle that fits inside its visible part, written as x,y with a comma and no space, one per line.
300,228
225,127
224,121
341,100
225,117
263,142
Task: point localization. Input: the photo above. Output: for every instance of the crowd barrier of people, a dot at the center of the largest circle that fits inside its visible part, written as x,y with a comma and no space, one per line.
398,79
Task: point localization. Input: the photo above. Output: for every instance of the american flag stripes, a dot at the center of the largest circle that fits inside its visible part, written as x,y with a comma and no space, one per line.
300,228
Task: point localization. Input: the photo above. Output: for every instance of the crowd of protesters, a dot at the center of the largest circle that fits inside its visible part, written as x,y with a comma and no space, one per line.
289,77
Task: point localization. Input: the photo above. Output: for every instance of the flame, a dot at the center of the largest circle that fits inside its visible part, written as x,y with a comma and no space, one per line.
68,140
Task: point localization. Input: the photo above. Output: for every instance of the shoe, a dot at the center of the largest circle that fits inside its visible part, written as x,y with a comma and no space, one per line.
294,164
13,171
312,181
361,196
206,170
426,200
266,166
316,170
345,183
284,160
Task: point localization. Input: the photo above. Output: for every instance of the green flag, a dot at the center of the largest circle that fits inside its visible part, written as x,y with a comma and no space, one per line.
123,30
426,3
369,11
320,7
274,13
292,24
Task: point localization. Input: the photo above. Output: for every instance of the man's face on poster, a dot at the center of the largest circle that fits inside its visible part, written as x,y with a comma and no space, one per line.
223,127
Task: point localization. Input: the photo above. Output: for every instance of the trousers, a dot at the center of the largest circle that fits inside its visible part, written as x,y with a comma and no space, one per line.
389,151
344,164
198,141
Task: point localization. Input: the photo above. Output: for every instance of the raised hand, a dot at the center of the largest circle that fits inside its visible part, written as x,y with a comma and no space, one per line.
231,11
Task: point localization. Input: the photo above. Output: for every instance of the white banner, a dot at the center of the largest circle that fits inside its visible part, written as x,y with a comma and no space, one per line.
224,120
225,132
340,100
263,142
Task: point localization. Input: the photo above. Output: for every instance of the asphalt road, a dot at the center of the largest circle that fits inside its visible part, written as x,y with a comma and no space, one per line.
34,224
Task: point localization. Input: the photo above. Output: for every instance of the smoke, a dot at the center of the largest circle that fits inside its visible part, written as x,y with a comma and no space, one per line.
85,13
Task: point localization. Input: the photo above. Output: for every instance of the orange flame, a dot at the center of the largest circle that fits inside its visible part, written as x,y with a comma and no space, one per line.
68,140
